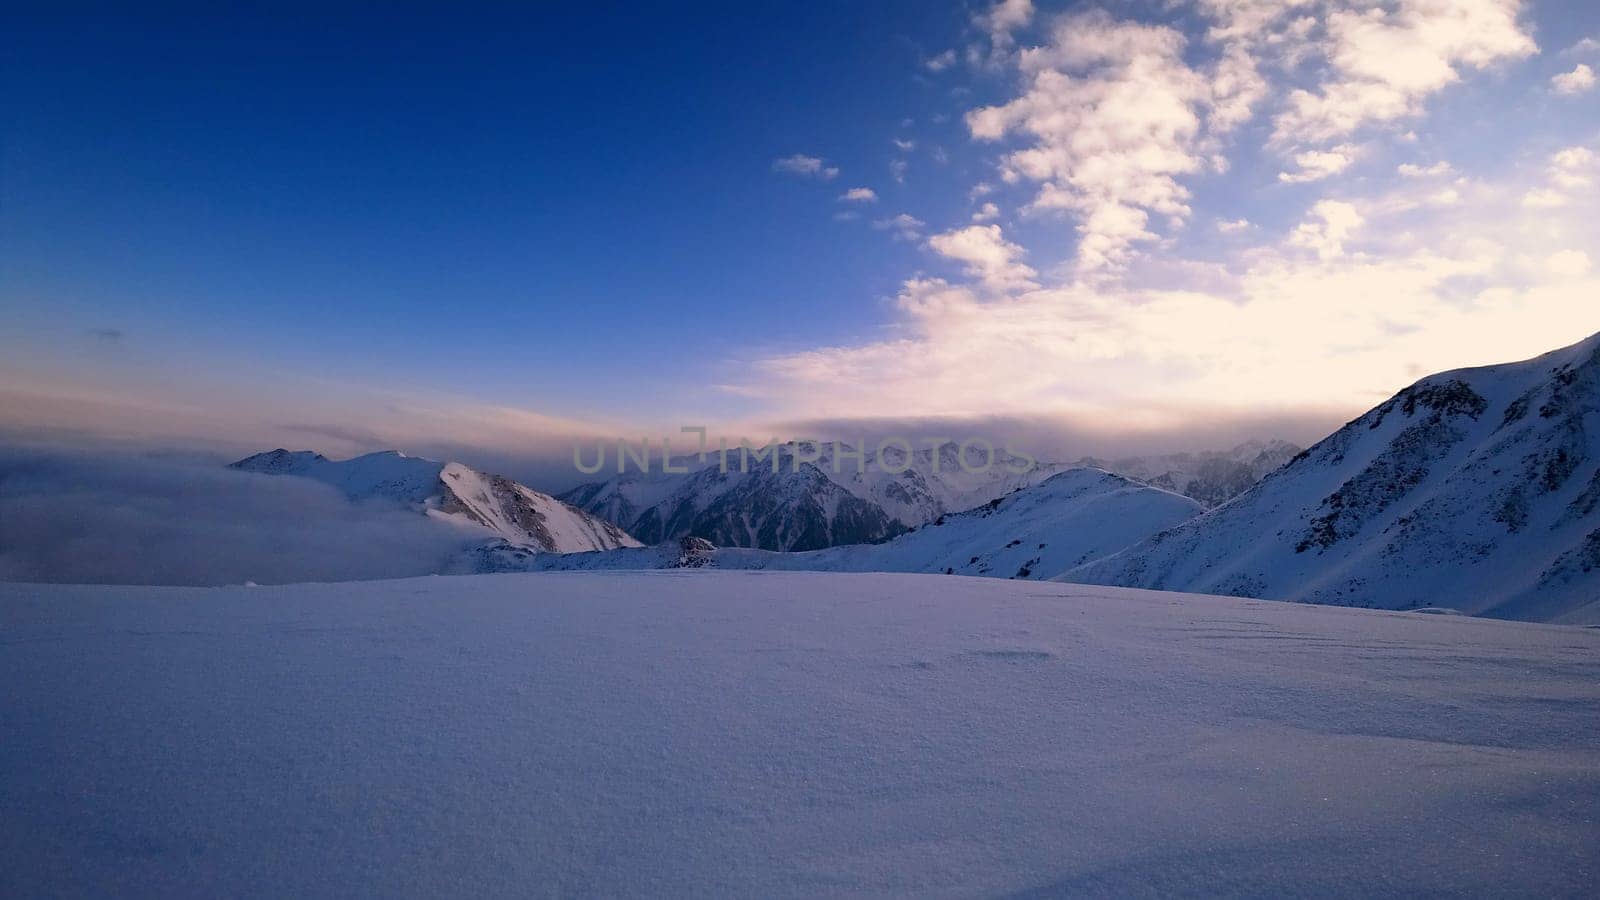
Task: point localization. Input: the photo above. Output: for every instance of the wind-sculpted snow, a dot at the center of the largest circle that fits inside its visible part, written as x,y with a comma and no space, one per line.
763,734
515,513
1473,490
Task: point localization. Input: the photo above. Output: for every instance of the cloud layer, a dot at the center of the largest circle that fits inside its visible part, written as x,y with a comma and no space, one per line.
80,517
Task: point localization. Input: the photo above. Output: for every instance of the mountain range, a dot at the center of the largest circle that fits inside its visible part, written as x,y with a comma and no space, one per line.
457,494
1475,490
1035,532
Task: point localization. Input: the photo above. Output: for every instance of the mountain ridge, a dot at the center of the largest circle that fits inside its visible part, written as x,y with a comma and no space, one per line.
454,492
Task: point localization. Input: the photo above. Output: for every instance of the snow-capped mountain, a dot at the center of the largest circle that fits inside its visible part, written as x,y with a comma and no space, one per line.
518,515
1213,477
812,501
1034,532
1475,490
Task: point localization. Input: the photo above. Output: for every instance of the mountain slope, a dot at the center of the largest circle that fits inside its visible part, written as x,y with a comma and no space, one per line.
517,514
1475,490
812,501
1035,532
1211,477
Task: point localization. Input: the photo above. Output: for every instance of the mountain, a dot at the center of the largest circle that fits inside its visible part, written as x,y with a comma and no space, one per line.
1034,532
518,515
1212,477
1475,490
812,501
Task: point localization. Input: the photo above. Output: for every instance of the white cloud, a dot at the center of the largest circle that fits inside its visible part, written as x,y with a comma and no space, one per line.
1544,198
1437,170
905,145
940,62
1431,289
986,213
1315,165
1568,263
847,215
1234,226
1385,62
1570,84
1112,113
897,170
859,195
989,257
1333,221
905,227
1585,46
805,166
1003,18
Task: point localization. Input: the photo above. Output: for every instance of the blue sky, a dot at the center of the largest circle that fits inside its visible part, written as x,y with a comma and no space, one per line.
488,227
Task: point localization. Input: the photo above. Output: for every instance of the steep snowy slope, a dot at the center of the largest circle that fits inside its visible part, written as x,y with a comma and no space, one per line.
775,734
1035,532
517,514
1475,490
806,504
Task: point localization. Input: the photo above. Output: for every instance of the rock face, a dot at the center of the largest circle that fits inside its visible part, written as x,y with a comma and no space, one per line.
808,503
1473,490
518,515
1031,533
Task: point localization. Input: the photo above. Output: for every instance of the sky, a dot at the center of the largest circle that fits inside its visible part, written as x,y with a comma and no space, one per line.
486,232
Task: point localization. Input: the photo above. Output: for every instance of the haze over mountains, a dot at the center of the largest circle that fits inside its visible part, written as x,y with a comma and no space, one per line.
517,514
817,499
1072,517
1475,490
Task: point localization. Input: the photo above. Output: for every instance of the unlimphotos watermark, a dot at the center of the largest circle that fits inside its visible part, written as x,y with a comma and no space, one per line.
893,455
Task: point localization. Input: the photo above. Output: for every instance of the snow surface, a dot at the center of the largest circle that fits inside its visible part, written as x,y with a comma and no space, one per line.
1034,532
783,734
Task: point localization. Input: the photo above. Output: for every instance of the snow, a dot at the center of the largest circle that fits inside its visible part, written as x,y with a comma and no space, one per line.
1034,532
783,734
454,493
1476,490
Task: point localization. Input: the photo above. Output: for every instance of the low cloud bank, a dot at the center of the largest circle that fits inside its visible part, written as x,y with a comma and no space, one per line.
108,518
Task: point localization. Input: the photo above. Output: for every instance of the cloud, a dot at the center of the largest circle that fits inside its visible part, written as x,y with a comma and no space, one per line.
1333,221
1384,63
1315,165
1003,18
859,195
989,257
1234,226
1362,297
74,516
805,166
1571,84
905,227
1112,115
107,335
897,170
1568,263
940,62
986,213
905,145
1571,169
1438,169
